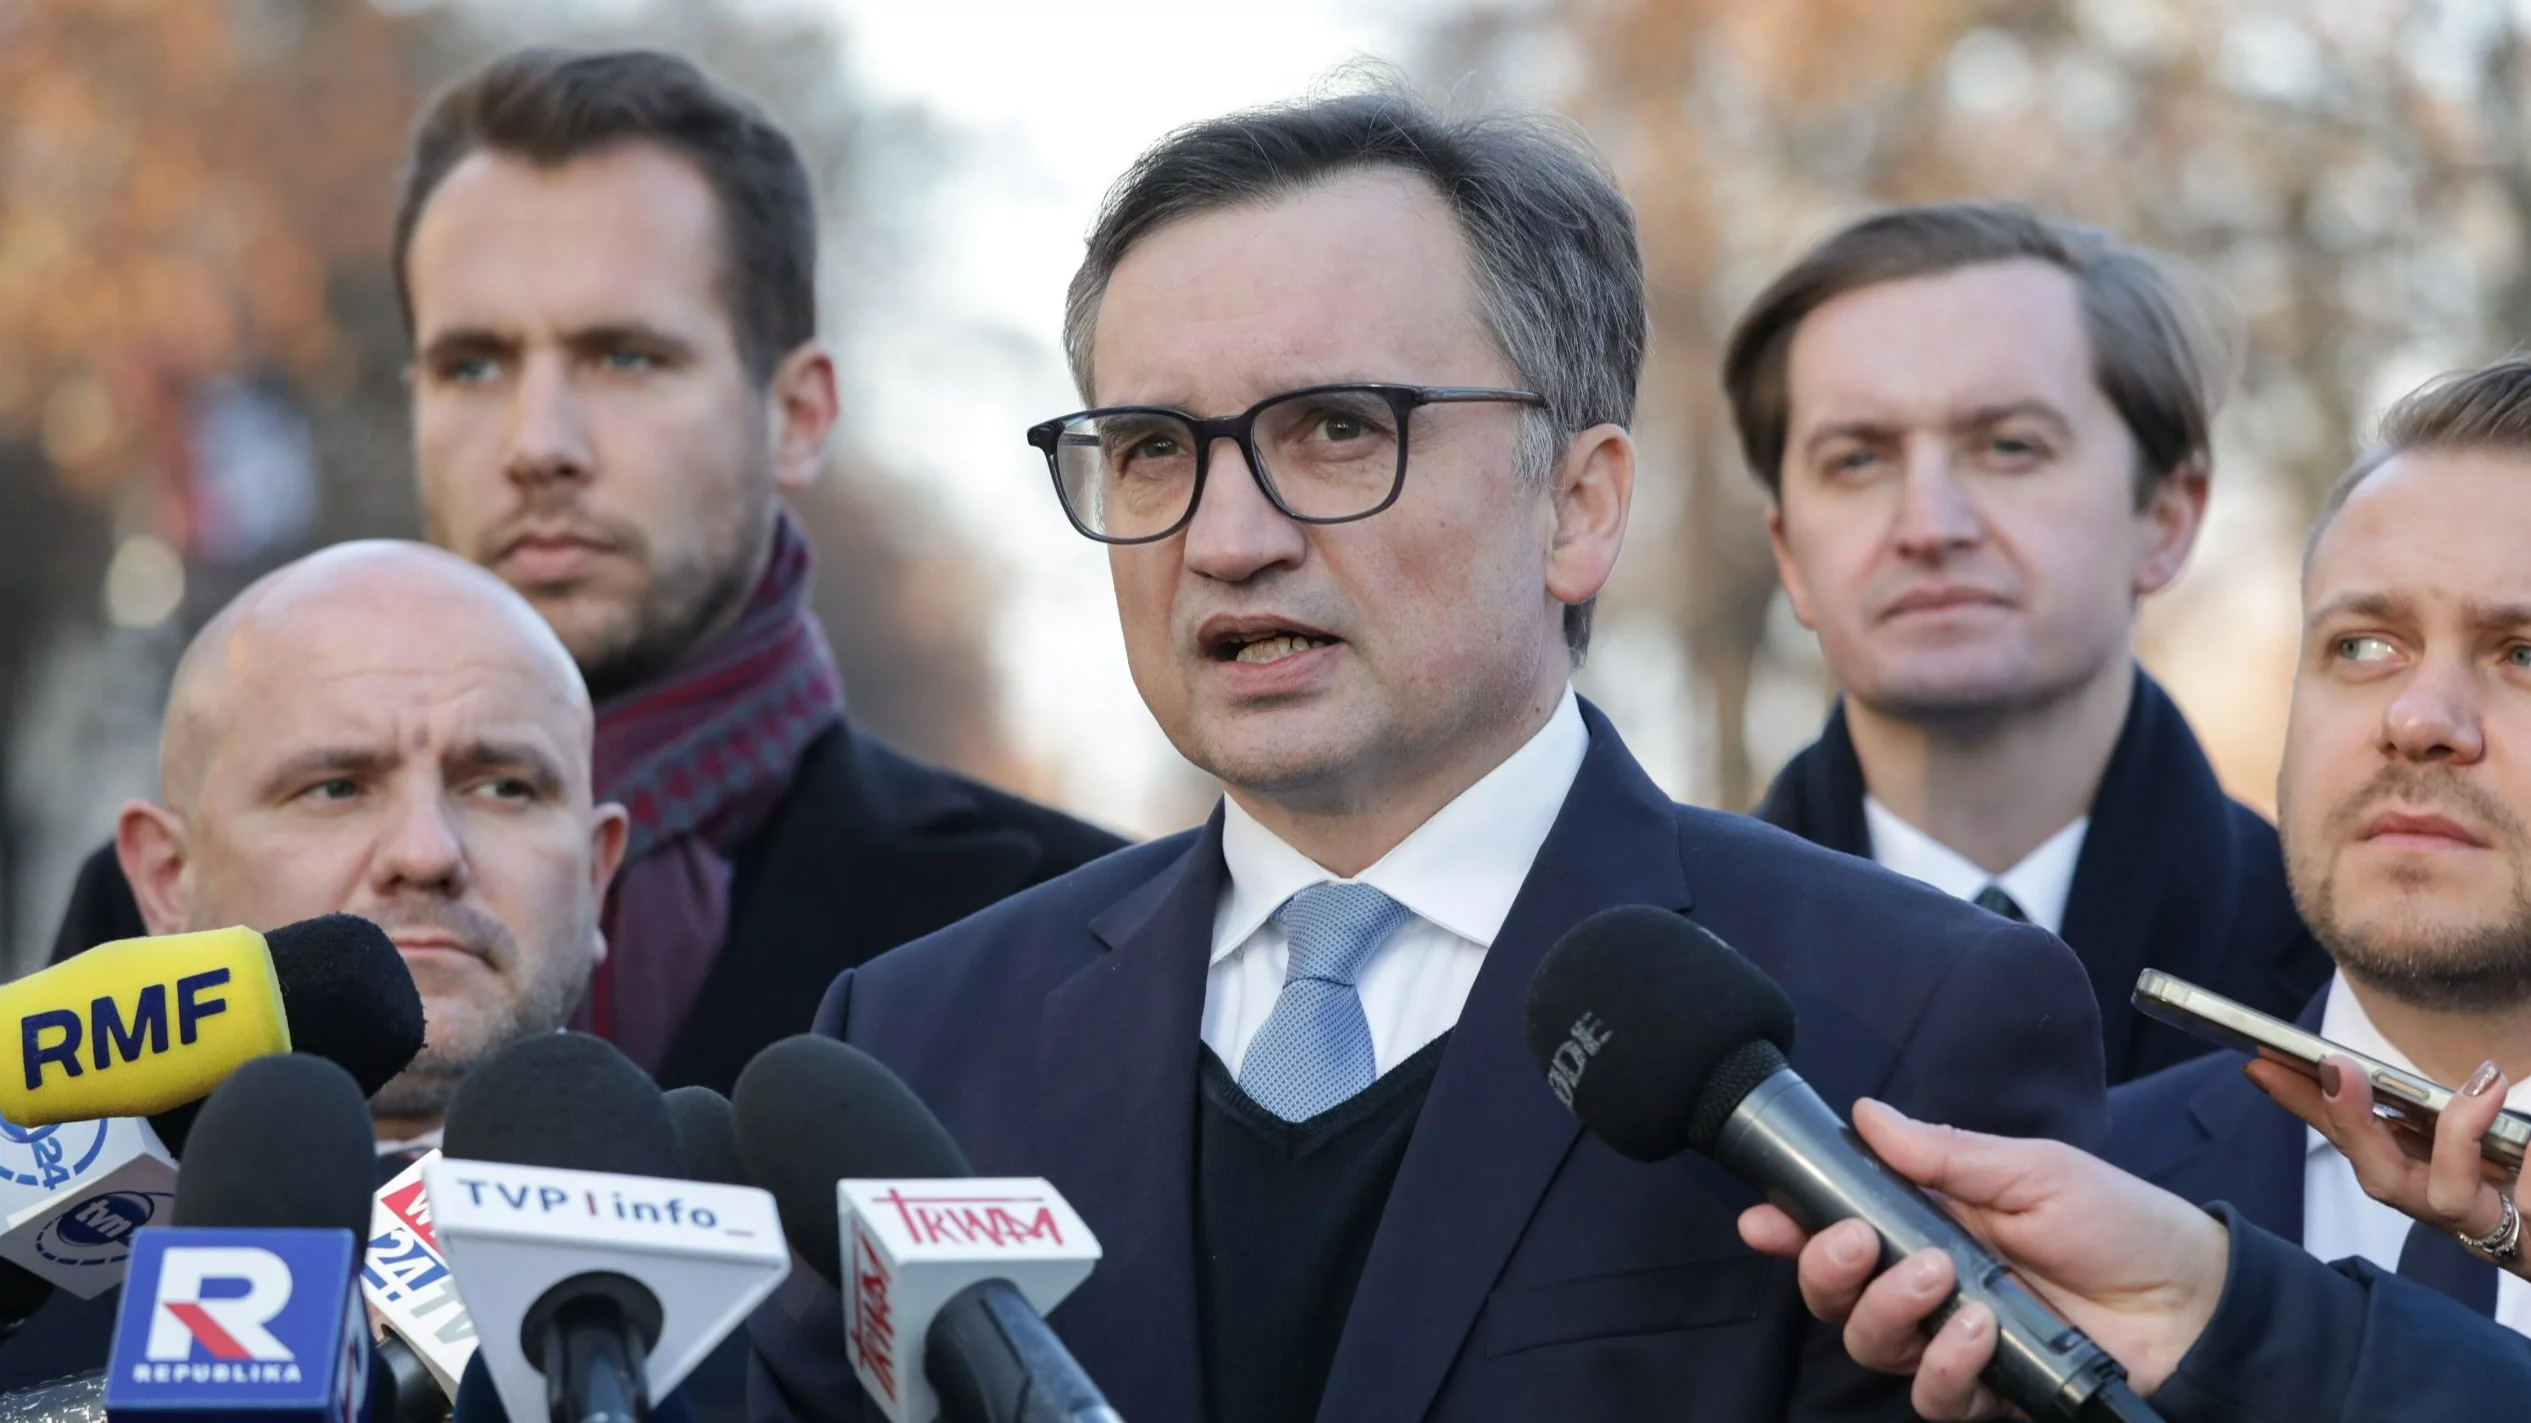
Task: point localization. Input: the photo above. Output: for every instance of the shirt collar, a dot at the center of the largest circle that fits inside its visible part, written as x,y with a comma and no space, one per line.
2345,1023
2040,883
1461,869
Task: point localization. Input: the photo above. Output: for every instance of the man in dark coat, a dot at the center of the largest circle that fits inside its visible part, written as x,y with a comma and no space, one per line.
1985,439
1363,376
607,263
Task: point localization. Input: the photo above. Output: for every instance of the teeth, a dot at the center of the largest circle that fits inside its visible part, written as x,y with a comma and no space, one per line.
1270,649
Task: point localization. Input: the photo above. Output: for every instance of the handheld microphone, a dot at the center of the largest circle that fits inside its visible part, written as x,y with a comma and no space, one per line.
1662,1038
937,1267
245,1303
72,1192
596,1276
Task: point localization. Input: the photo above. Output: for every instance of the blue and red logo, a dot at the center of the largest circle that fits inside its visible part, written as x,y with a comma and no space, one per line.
232,1319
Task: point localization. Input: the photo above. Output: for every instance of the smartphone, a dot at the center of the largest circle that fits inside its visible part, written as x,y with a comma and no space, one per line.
2410,1103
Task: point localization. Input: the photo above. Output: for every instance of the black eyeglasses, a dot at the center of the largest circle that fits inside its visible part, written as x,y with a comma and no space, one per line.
1327,454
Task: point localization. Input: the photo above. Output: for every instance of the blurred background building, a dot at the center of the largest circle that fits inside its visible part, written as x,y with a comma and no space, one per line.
201,363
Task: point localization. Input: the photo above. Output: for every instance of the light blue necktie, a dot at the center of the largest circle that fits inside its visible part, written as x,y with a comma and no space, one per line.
1314,1050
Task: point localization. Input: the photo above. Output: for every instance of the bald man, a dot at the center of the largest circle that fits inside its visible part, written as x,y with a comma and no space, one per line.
388,730
385,729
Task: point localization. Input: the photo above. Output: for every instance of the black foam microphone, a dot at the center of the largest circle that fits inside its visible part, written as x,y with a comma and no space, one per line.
1662,1039
707,1135
572,1102
813,1111
348,999
283,1143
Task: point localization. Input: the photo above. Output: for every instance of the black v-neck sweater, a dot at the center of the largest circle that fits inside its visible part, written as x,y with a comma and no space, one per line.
1284,1217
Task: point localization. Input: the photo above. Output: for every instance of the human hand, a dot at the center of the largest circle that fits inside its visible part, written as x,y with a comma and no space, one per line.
2131,1265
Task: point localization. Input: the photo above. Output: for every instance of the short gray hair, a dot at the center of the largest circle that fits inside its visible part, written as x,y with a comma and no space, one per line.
1559,278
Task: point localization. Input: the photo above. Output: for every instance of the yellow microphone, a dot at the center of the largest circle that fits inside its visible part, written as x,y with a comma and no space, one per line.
139,1026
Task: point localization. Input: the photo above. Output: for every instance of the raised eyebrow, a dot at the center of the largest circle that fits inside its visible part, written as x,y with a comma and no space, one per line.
467,341
2501,615
1987,416
2368,603
325,762
529,762
610,335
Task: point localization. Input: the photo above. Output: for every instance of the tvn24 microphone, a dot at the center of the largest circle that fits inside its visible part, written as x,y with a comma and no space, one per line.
72,1192
597,1278
937,1267
1662,1038
246,1303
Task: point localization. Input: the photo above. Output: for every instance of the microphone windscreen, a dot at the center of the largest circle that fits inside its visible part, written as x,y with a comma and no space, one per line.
813,1111
567,1101
707,1135
284,1142
1636,1012
348,996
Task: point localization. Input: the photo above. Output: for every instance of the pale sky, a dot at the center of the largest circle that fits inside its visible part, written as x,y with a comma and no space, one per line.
1045,104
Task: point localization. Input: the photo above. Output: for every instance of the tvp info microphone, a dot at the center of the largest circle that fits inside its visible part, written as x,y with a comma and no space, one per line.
597,1278
945,1276
1662,1038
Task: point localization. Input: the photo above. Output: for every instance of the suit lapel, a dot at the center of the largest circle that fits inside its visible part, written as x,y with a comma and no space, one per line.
1116,1128
2156,868
1491,1137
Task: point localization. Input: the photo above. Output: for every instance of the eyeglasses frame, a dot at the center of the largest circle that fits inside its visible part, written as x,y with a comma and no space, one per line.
1240,429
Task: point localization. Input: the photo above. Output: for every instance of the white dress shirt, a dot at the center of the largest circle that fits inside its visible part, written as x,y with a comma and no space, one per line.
1457,875
2039,884
2339,1220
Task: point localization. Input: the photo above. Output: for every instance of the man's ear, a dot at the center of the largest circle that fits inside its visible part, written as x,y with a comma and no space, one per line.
149,843
611,826
802,405
2169,522
1593,487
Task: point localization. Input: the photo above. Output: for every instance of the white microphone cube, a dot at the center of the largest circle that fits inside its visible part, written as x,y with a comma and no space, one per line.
708,1253
911,1245
73,1195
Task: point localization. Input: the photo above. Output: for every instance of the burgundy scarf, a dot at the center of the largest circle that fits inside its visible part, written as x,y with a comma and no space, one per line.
700,758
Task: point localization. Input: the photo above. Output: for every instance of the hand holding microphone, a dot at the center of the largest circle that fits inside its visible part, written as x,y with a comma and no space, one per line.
1662,1038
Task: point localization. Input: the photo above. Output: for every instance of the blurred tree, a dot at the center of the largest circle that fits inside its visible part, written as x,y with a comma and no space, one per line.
204,360
2354,175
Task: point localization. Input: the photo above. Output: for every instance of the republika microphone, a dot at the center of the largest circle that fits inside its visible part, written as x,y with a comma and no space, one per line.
73,1191
1662,1038
246,1303
597,1277
938,1268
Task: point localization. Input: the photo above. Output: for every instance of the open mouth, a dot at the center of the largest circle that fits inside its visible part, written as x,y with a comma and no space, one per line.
1273,647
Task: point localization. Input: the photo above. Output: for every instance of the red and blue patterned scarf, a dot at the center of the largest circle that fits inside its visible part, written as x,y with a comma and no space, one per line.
700,758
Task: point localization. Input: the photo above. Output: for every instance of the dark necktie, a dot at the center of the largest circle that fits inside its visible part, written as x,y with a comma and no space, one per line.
2434,1259
1993,900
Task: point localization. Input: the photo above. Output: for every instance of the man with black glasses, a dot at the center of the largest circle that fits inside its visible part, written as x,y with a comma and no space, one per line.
1362,376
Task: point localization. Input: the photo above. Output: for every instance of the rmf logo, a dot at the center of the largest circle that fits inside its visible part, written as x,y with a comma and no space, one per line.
220,1297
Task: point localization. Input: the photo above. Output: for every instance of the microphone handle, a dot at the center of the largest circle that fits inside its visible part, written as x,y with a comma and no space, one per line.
993,1360
593,1364
2045,1366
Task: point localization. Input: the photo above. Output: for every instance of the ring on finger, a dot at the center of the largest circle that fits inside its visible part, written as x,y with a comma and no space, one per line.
2503,1244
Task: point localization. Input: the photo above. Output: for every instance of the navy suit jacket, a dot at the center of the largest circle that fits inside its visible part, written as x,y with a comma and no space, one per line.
2174,875
1522,1270
2202,1132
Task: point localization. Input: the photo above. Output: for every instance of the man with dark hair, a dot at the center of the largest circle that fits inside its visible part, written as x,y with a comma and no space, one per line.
1985,438
607,263
2405,798
1361,376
